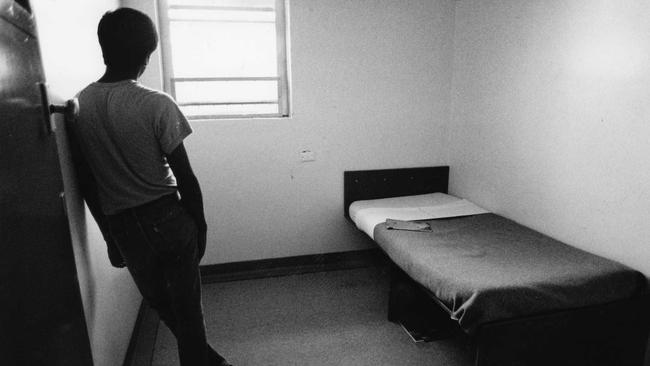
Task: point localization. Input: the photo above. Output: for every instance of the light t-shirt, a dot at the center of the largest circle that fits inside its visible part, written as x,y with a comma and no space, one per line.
124,130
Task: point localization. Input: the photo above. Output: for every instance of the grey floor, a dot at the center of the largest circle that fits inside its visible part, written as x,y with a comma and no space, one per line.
317,319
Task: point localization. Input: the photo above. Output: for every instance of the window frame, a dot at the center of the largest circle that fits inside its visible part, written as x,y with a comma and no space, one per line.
282,58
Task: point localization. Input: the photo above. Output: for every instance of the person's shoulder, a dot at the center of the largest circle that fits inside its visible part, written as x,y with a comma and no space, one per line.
154,102
88,98
88,89
153,95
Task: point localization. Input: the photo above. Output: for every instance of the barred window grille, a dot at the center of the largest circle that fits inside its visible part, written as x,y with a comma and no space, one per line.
226,58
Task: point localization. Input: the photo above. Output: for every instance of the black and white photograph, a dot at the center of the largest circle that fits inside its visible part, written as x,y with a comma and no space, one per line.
325,183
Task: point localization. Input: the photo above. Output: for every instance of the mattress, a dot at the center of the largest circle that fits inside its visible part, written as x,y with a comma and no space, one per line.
486,268
367,214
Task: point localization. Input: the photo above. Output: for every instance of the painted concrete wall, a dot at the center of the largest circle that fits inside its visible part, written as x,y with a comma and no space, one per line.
371,83
551,104
72,59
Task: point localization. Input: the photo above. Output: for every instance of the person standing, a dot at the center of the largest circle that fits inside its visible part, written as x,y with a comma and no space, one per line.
137,180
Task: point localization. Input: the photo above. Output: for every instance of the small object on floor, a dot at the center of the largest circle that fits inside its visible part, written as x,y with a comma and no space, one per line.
426,333
223,363
393,224
216,359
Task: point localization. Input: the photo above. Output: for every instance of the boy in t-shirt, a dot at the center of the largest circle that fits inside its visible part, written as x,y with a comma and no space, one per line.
136,178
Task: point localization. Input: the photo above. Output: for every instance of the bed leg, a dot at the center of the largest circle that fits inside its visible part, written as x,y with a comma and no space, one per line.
402,296
410,306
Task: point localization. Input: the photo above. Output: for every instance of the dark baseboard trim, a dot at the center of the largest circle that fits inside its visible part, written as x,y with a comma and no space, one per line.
275,267
143,338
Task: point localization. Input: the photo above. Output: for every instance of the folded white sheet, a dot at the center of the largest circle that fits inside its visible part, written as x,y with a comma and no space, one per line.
367,214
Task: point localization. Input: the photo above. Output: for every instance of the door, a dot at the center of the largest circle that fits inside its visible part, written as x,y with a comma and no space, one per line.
41,314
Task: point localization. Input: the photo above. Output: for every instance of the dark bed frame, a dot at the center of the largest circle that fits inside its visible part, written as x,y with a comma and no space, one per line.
603,335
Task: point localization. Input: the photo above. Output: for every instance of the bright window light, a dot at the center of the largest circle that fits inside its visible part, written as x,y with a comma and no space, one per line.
226,58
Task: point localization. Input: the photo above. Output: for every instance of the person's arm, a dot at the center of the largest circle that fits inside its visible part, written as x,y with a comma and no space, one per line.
88,188
188,187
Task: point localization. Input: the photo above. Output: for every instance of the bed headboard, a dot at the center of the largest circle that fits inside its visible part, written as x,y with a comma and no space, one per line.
384,183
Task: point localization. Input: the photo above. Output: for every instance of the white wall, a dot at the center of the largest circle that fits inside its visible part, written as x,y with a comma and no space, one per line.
72,59
371,82
551,104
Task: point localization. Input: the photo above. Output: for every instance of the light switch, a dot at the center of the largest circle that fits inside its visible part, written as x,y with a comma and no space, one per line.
307,155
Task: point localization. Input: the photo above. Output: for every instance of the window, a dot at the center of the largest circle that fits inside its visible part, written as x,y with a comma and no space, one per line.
226,58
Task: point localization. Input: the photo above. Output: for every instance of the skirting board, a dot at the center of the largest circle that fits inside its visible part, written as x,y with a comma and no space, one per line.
143,339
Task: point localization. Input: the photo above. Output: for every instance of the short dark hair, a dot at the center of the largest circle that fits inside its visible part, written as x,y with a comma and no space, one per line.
127,37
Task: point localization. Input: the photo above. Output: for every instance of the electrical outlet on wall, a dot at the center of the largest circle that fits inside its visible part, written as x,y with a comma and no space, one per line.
307,155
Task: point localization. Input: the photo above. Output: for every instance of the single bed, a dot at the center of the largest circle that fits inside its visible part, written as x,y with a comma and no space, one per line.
521,297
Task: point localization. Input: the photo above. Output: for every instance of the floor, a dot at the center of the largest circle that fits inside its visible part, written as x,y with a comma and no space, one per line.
333,318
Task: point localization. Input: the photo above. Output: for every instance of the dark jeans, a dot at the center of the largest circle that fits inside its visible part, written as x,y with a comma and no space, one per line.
158,241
